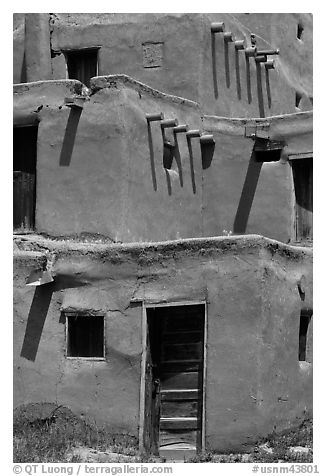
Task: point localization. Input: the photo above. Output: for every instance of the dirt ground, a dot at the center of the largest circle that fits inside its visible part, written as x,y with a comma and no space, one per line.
46,433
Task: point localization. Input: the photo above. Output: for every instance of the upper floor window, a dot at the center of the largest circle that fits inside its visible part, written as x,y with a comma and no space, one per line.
82,64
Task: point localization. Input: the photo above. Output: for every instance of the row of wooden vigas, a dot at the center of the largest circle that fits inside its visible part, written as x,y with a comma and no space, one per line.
261,57
171,150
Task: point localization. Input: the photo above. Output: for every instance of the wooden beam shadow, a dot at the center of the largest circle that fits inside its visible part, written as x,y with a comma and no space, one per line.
191,162
260,91
247,195
23,72
39,310
70,136
36,319
227,64
207,154
168,181
178,158
168,154
248,80
268,88
151,156
213,48
237,73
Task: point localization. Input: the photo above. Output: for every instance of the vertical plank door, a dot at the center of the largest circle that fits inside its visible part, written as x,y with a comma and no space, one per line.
181,380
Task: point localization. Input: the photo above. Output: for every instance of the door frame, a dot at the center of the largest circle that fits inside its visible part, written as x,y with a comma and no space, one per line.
150,305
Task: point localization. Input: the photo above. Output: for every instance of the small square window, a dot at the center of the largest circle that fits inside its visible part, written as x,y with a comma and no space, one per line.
85,336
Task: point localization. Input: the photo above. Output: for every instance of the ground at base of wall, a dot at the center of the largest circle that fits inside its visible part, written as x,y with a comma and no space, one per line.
291,446
47,433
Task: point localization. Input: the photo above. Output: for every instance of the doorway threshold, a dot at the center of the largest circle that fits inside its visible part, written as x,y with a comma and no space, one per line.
177,452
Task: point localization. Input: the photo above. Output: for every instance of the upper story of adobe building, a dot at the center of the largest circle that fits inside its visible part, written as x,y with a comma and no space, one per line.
88,158
177,53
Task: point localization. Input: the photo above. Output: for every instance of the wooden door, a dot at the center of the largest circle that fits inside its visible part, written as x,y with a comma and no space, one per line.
303,187
24,168
179,360
24,201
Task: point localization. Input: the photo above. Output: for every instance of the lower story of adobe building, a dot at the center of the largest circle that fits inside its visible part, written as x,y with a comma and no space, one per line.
188,345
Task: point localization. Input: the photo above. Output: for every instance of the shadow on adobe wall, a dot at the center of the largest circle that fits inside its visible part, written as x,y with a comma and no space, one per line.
237,73
177,157
227,64
249,96
70,135
170,151
260,94
214,65
268,89
39,310
23,73
35,321
248,72
151,155
247,195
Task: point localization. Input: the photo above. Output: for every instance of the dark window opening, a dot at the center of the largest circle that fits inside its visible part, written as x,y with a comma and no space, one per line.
305,318
268,155
267,150
303,188
300,31
24,169
82,64
298,98
85,336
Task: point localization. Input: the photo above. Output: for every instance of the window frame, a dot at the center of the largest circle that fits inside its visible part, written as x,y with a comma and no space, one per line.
84,314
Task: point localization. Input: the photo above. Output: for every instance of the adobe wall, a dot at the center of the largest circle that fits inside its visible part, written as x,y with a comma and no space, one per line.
255,382
95,174
182,54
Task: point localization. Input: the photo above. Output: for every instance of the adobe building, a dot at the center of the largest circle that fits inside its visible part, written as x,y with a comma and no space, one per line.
163,223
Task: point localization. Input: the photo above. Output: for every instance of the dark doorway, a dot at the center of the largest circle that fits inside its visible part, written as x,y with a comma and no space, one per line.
174,380
305,318
24,168
303,187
